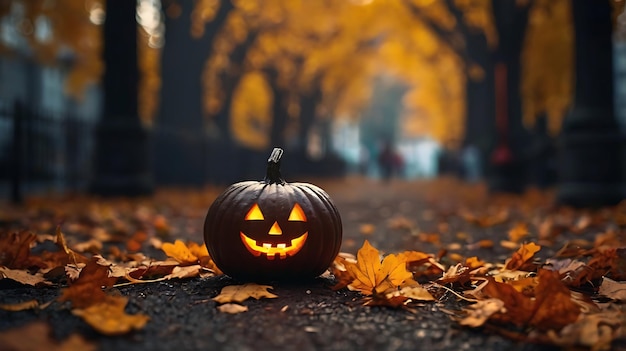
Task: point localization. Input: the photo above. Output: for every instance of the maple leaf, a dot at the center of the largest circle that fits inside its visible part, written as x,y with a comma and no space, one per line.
240,293
522,256
372,276
87,289
108,316
552,308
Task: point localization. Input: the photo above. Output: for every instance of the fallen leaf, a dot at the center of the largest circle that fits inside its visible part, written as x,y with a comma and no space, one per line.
36,336
87,289
232,308
372,276
477,314
109,318
180,252
613,289
15,248
518,232
26,305
240,293
414,292
522,256
22,276
595,331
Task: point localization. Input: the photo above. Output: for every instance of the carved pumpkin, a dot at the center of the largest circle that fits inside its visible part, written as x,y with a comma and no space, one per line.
273,230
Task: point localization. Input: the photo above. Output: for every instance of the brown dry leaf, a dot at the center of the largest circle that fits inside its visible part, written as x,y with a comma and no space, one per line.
372,276
109,318
613,289
478,313
518,232
459,274
87,289
518,308
22,276
240,293
232,308
595,331
36,336
15,248
26,305
554,307
523,256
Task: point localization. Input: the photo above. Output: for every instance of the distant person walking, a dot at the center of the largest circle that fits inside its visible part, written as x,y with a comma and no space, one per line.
390,162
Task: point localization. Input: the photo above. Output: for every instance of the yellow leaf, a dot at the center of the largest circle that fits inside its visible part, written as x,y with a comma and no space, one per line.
108,317
180,252
239,293
373,276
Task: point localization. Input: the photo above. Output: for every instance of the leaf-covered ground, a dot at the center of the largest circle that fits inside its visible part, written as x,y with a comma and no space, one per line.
437,265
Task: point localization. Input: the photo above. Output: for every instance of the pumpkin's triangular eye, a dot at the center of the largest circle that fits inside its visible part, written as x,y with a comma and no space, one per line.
254,214
297,214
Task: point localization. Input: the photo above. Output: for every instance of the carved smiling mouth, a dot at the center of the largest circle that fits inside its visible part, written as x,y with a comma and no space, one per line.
281,250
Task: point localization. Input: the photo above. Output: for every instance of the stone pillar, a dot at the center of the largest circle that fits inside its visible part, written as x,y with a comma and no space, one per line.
121,162
589,149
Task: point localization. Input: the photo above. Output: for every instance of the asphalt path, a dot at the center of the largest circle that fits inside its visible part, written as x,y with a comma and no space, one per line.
309,315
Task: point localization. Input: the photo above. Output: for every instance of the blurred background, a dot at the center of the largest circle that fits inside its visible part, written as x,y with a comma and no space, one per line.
121,97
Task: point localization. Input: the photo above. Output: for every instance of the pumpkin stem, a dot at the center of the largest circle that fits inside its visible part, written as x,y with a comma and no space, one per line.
273,167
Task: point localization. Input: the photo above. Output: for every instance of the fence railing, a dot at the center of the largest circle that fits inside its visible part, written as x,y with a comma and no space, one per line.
41,151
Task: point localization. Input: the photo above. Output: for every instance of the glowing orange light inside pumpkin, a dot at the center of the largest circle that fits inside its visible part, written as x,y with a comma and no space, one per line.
280,250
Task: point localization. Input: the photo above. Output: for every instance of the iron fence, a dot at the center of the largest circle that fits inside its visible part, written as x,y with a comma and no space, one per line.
41,151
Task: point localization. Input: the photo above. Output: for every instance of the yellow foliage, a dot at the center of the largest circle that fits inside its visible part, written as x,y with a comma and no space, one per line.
251,111
547,62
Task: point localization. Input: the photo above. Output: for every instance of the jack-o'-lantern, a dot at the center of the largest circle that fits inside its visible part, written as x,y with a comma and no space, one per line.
273,230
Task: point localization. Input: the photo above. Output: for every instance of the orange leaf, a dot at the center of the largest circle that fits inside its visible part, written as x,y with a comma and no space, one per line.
523,255
372,276
518,232
180,252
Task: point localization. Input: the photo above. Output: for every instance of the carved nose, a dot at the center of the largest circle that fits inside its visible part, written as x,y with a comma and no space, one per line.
275,229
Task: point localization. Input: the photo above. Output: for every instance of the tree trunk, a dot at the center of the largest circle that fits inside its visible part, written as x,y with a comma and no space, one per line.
181,145
589,150
508,161
121,155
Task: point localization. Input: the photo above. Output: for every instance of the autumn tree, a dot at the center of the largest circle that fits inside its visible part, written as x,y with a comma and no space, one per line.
181,142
